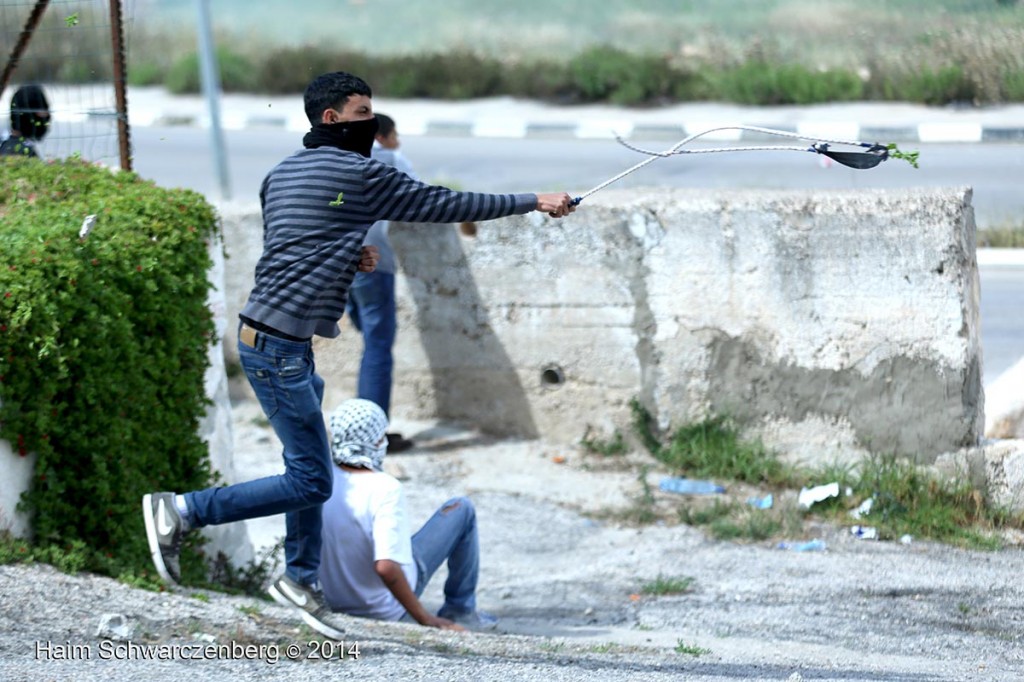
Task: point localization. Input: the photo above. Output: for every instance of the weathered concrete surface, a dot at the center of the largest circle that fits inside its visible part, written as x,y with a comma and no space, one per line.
850,311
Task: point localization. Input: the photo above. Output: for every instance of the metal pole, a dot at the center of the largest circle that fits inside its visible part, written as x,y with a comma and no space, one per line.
210,79
120,84
19,48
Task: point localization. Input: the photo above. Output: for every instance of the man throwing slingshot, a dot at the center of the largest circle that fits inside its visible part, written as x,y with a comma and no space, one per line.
317,206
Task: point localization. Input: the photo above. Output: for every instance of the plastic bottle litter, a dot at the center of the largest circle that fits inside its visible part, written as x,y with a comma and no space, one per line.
864,509
864,532
809,496
765,502
809,546
690,486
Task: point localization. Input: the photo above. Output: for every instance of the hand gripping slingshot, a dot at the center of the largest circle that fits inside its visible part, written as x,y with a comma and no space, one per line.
873,155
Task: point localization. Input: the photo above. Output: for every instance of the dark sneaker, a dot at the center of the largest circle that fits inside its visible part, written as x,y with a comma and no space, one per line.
309,599
164,530
397,443
473,620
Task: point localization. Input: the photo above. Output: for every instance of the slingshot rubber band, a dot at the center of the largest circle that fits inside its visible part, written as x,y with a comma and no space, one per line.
875,153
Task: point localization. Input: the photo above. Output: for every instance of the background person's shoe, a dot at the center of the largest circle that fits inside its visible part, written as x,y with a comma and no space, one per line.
309,599
474,620
164,531
397,443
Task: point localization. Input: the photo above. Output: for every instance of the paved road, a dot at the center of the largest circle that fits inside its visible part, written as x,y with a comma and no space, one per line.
1002,318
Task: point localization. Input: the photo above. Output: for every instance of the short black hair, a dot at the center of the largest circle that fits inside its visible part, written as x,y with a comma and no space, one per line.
332,90
385,124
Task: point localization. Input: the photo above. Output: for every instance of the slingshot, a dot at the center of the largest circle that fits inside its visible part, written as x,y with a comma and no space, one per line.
873,155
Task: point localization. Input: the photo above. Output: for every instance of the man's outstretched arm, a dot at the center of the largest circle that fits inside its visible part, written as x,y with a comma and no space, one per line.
394,578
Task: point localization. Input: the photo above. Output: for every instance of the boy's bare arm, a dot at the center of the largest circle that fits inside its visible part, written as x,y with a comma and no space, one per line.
394,578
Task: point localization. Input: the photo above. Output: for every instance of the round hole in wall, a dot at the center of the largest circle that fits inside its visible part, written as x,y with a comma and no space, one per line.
467,229
552,376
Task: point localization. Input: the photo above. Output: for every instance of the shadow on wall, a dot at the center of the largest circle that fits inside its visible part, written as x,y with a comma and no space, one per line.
473,378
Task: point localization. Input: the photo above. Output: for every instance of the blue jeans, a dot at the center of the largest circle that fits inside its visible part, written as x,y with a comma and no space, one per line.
285,381
450,534
371,307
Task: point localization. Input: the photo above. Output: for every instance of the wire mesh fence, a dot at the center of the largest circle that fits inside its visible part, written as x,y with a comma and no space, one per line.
74,50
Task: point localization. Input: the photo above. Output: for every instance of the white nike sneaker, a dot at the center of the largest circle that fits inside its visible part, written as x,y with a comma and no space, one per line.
164,530
309,599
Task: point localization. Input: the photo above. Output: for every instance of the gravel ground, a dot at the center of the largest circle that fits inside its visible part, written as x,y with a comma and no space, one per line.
567,590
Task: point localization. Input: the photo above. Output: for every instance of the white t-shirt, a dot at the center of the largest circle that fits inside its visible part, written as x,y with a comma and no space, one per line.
364,521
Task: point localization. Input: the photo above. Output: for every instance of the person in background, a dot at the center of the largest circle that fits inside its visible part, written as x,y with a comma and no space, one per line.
30,121
371,300
370,565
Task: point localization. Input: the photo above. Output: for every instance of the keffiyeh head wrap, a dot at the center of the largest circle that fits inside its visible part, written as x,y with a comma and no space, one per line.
357,434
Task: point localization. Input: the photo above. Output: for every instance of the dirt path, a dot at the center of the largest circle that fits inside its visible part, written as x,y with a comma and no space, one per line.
567,589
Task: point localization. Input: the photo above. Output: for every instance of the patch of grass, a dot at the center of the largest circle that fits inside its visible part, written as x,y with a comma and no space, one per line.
552,647
712,448
70,558
606,448
201,596
690,649
663,585
705,514
606,648
250,610
250,578
909,500
747,525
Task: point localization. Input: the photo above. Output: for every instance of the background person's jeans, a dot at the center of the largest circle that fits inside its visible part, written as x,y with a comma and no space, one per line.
285,381
371,307
450,534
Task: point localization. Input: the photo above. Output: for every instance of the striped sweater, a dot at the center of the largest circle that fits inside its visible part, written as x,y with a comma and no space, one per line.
317,206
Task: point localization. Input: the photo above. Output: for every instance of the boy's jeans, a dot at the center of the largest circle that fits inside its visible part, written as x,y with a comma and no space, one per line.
450,534
285,381
371,307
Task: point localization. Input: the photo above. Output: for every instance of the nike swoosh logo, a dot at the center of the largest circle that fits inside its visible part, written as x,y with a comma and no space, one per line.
163,527
297,597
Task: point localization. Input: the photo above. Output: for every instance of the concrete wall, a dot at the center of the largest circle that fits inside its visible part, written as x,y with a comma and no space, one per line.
831,324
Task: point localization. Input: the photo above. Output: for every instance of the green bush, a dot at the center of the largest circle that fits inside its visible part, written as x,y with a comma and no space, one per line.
146,73
452,75
759,82
607,73
103,350
288,70
940,86
236,73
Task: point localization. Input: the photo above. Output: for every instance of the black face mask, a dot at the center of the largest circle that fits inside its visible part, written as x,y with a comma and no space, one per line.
31,125
352,136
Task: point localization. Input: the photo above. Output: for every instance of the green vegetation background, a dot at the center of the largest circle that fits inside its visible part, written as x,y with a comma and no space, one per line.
630,52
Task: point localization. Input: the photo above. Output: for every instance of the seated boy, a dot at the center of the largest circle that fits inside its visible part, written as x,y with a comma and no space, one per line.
369,564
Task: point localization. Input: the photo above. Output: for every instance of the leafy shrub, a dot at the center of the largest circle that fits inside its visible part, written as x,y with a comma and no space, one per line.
762,82
541,79
289,70
236,73
607,73
146,73
927,86
103,350
452,75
